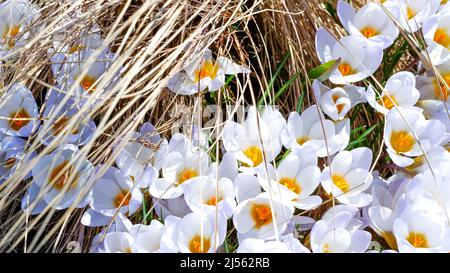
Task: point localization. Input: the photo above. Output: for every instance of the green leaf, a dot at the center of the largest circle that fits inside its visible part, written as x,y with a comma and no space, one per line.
323,71
274,77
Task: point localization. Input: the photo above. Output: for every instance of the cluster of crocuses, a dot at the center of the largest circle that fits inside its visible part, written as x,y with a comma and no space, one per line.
272,171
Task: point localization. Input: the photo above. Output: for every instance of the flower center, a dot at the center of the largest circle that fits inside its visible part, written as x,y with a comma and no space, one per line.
253,153
59,125
19,119
302,139
369,32
340,182
186,174
9,35
441,37
345,69
417,239
213,201
402,141
387,102
60,175
208,69
122,199
339,106
410,13
326,248
76,48
87,83
199,244
441,89
291,184
261,214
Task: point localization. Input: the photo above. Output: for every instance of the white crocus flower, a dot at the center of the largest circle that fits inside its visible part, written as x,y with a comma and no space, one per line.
348,177
371,21
339,231
20,112
336,102
417,231
308,129
259,217
204,73
414,12
295,179
111,194
435,87
205,194
141,156
435,109
244,140
119,242
400,90
12,154
436,31
359,58
178,169
59,179
195,233
16,18
57,116
402,144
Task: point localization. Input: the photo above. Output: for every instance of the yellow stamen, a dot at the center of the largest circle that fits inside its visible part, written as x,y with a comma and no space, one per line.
9,35
345,69
199,244
253,153
369,32
213,201
60,124
76,48
122,199
19,119
302,139
402,141
441,91
261,214
291,184
410,13
339,106
208,69
388,102
417,239
60,176
186,174
326,248
87,83
340,182
441,37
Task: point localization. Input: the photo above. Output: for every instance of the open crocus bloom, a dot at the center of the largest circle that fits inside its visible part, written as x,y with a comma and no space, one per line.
205,194
19,112
16,17
141,156
402,144
261,217
418,231
90,77
11,154
295,178
59,179
359,58
389,201
195,233
436,31
336,102
287,244
371,21
203,72
400,90
339,231
244,140
414,12
135,239
306,130
111,194
348,176
178,169
435,86
58,114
